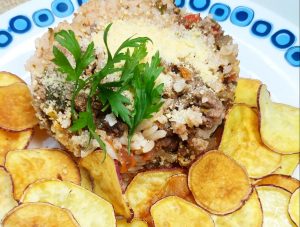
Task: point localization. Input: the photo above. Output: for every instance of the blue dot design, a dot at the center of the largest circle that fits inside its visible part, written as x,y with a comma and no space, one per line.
220,12
292,56
20,24
5,39
80,2
199,5
62,8
283,39
179,3
261,28
43,18
242,16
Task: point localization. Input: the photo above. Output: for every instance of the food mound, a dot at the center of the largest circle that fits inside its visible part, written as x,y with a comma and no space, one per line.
198,73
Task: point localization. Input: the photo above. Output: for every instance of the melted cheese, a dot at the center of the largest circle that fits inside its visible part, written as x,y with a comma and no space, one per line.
175,45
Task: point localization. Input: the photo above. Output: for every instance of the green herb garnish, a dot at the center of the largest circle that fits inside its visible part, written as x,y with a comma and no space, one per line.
135,76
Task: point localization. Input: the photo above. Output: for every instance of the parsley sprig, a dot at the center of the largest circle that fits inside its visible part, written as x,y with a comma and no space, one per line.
135,76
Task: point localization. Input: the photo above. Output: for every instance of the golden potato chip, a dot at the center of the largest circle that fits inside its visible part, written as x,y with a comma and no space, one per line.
242,142
7,79
39,215
7,201
246,91
275,203
105,180
176,212
279,124
87,208
177,185
12,141
28,166
294,207
16,111
146,188
218,183
133,223
286,182
250,215
85,179
288,164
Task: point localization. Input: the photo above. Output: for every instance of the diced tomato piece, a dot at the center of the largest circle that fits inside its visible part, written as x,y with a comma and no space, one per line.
190,20
127,160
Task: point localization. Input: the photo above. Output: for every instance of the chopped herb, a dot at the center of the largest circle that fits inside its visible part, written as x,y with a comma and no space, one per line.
136,77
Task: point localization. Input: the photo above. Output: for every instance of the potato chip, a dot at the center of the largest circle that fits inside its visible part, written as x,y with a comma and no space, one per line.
242,142
250,215
133,223
16,111
106,184
176,212
288,164
39,164
7,79
294,207
286,182
275,201
7,201
87,208
279,124
146,188
85,179
218,183
39,214
177,185
246,91
12,141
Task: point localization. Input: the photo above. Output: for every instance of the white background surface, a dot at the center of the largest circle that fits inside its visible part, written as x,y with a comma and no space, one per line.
289,9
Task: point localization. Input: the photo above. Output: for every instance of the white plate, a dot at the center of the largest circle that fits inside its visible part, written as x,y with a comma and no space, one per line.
268,43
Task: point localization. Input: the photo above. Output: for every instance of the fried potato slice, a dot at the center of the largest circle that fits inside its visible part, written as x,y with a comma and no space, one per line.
39,164
87,208
39,215
246,91
218,183
13,141
102,171
279,124
294,207
288,164
176,212
146,188
85,179
242,142
177,185
16,111
133,223
275,201
7,79
7,201
286,182
250,215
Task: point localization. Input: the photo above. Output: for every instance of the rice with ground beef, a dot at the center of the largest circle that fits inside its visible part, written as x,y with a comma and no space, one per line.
200,72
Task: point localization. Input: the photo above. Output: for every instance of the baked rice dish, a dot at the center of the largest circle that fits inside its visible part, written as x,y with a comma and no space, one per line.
200,74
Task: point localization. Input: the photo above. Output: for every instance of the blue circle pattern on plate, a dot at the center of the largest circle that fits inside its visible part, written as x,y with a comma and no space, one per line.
293,56
199,5
240,16
80,2
62,8
220,12
261,28
20,24
5,38
283,38
43,18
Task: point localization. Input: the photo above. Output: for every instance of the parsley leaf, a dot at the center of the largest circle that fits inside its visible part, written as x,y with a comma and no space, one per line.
136,77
